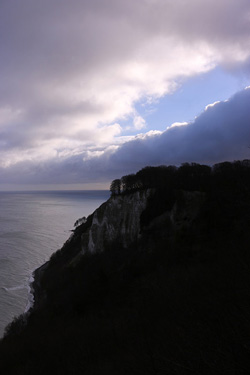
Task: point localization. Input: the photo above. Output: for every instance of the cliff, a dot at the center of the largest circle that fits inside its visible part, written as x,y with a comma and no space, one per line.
117,223
117,219
155,281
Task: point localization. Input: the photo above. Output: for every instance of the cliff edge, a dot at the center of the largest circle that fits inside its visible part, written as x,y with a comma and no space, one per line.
155,281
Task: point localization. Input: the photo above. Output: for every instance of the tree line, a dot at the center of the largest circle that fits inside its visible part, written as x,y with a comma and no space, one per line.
189,176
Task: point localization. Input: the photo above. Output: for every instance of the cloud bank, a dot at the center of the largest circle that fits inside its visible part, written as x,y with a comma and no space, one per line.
72,71
219,133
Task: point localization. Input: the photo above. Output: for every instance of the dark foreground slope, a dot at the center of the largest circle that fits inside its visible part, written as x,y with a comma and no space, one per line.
173,298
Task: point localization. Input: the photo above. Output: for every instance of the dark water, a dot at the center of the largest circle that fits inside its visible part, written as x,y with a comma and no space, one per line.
32,226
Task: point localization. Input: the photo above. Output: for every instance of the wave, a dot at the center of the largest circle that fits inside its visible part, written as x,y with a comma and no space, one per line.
30,302
27,286
18,287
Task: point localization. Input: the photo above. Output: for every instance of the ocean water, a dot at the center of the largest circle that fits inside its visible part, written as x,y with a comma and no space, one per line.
33,225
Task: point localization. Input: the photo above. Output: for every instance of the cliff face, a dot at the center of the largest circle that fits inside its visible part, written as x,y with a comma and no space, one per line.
118,218
117,224
118,221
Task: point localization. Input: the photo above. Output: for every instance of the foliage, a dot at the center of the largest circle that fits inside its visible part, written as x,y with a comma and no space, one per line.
189,176
115,187
80,221
16,326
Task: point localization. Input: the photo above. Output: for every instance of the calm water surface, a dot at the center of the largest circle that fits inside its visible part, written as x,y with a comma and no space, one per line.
33,225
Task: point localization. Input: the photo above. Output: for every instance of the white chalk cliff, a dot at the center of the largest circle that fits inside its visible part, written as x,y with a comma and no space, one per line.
118,218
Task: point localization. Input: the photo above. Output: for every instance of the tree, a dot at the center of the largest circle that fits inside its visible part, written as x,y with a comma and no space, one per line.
80,221
130,183
115,187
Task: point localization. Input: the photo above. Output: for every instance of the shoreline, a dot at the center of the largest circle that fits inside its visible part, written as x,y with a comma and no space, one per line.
30,301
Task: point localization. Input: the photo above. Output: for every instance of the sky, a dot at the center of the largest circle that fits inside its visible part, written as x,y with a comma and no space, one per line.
93,90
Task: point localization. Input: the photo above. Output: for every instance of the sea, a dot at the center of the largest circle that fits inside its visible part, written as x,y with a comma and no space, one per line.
33,225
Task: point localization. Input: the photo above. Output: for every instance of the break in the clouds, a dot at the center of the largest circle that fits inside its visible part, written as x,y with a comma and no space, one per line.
72,72
219,133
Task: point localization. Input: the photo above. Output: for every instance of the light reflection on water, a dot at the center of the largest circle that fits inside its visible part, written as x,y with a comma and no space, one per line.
32,226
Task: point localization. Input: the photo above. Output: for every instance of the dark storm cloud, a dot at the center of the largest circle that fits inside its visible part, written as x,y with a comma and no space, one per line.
220,133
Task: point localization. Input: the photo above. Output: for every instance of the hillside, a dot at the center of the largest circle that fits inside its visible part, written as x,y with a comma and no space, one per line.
155,281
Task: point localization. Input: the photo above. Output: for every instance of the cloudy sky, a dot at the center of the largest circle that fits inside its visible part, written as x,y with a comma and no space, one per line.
91,90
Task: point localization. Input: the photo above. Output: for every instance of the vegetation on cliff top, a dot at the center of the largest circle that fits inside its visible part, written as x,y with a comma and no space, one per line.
189,176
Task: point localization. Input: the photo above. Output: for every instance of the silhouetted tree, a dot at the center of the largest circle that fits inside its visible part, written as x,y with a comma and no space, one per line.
193,176
130,182
80,221
115,187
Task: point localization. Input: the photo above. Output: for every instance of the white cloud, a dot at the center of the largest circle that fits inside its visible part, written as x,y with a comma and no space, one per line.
211,105
177,124
139,122
70,73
